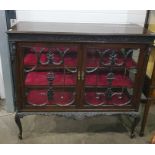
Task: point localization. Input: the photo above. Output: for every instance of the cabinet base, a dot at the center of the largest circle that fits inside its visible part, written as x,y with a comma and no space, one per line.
77,116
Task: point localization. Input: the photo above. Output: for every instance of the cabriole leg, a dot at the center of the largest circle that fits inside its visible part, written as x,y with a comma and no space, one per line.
18,122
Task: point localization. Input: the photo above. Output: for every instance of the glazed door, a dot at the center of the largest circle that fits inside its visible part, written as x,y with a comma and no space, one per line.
112,76
49,76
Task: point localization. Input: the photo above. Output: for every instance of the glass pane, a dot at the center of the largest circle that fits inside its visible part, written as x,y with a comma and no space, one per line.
109,96
42,97
115,77
110,75
57,56
59,77
97,57
49,71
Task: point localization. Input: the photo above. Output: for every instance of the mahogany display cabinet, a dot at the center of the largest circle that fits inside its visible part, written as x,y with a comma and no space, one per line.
78,70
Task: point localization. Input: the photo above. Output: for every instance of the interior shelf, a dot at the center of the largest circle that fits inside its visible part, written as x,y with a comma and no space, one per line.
101,80
41,78
40,98
100,98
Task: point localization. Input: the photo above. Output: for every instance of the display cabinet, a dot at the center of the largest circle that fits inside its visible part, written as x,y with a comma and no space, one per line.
78,70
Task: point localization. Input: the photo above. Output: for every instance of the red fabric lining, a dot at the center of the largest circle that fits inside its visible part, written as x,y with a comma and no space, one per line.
101,80
39,97
94,99
40,78
30,59
94,62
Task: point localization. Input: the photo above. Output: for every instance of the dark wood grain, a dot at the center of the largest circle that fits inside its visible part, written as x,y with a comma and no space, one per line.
78,28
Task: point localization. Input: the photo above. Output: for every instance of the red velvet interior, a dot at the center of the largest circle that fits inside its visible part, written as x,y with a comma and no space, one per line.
93,99
94,62
39,97
40,78
101,80
30,59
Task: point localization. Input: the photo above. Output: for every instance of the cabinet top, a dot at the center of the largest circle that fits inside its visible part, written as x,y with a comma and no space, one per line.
78,28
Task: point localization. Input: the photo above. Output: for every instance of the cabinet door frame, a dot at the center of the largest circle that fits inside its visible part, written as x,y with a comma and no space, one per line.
20,91
137,87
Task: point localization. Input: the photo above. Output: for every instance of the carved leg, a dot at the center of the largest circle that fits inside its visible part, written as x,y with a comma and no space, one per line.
18,122
135,123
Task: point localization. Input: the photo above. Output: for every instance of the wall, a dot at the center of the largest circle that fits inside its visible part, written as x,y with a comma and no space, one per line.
2,94
5,59
102,16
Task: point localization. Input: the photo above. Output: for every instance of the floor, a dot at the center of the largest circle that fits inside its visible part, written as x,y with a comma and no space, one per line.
59,130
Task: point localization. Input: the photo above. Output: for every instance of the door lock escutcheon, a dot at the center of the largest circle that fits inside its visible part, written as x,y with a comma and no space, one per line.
80,75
